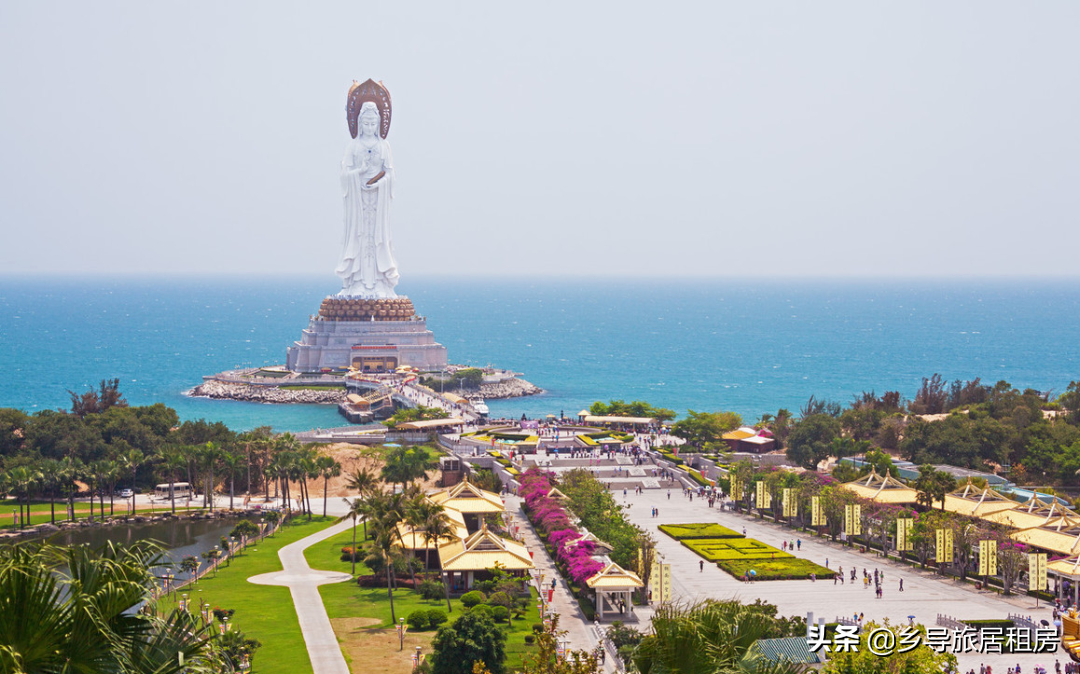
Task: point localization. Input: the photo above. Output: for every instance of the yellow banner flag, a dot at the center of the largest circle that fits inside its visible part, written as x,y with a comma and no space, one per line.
816,520
1037,571
853,520
903,533
948,546
987,558
939,546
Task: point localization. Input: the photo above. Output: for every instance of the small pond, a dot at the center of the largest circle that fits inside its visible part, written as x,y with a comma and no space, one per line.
181,538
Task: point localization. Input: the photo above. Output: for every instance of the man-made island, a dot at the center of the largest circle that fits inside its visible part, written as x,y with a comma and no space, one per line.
278,385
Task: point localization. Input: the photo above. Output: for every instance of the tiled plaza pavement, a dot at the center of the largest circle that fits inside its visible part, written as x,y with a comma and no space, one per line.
924,594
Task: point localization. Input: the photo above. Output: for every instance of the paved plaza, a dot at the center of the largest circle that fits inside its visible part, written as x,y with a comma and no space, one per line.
925,595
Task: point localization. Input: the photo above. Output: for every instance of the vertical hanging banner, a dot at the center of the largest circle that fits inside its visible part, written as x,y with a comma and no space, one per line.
816,520
939,546
948,546
733,487
903,533
987,558
853,520
1037,571
665,585
787,503
656,582
759,495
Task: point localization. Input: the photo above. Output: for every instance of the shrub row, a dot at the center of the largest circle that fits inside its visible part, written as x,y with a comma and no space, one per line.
425,619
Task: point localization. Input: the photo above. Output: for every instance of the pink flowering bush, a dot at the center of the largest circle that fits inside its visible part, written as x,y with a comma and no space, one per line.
550,516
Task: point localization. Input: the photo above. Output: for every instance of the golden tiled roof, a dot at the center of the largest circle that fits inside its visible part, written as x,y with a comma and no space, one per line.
882,489
416,541
483,550
975,502
614,577
466,497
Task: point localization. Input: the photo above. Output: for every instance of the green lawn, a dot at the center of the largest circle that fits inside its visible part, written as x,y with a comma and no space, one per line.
702,530
326,555
263,612
348,600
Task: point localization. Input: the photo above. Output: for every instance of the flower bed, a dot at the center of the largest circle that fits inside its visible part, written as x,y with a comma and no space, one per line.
780,569
698,530
716,549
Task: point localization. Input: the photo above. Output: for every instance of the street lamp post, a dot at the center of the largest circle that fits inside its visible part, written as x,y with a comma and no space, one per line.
401,634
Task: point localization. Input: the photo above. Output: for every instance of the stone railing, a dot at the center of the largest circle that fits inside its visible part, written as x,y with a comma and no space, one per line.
949,622
1023,621
609,648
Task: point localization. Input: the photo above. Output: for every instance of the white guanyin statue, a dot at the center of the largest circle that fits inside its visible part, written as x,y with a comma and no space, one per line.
367,268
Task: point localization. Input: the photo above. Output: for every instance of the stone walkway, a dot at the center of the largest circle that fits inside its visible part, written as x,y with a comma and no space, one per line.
303,582
579,630
925,594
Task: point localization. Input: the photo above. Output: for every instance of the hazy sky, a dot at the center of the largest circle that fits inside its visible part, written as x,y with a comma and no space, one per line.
615,138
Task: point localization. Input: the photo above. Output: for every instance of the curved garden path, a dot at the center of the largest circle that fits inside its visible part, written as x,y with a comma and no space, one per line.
303,582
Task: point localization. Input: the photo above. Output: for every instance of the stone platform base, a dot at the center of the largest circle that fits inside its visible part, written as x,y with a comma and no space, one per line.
369,335
340,309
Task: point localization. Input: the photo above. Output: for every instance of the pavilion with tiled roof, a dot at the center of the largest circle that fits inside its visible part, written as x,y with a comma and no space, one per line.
977,501
882,489
465,560
614,586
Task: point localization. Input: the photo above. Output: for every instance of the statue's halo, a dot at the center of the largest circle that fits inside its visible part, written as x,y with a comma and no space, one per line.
362,93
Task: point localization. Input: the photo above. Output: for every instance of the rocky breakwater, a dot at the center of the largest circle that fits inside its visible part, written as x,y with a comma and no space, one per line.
266,394
509,388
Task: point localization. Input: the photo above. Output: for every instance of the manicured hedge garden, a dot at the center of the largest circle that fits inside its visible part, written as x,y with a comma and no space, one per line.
736,554
790,568
717,549
701,530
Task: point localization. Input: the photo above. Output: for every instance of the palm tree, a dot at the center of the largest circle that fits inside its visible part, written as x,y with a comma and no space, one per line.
70,470
173,461
130,461
232,462
110,474
210,455
357,509
385,524
419,513
67,610
436,528
50,471
328,468
712,636
309,468
21,479
363,481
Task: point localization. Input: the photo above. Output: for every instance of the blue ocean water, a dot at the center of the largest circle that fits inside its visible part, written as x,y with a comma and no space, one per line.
747,346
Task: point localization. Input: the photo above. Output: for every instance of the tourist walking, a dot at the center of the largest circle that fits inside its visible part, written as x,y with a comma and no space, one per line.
901,584
701,565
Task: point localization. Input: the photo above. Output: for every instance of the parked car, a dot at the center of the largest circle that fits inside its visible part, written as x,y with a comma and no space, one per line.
125,493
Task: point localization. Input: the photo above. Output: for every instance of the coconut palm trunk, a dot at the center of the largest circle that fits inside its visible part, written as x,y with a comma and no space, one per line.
353,556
